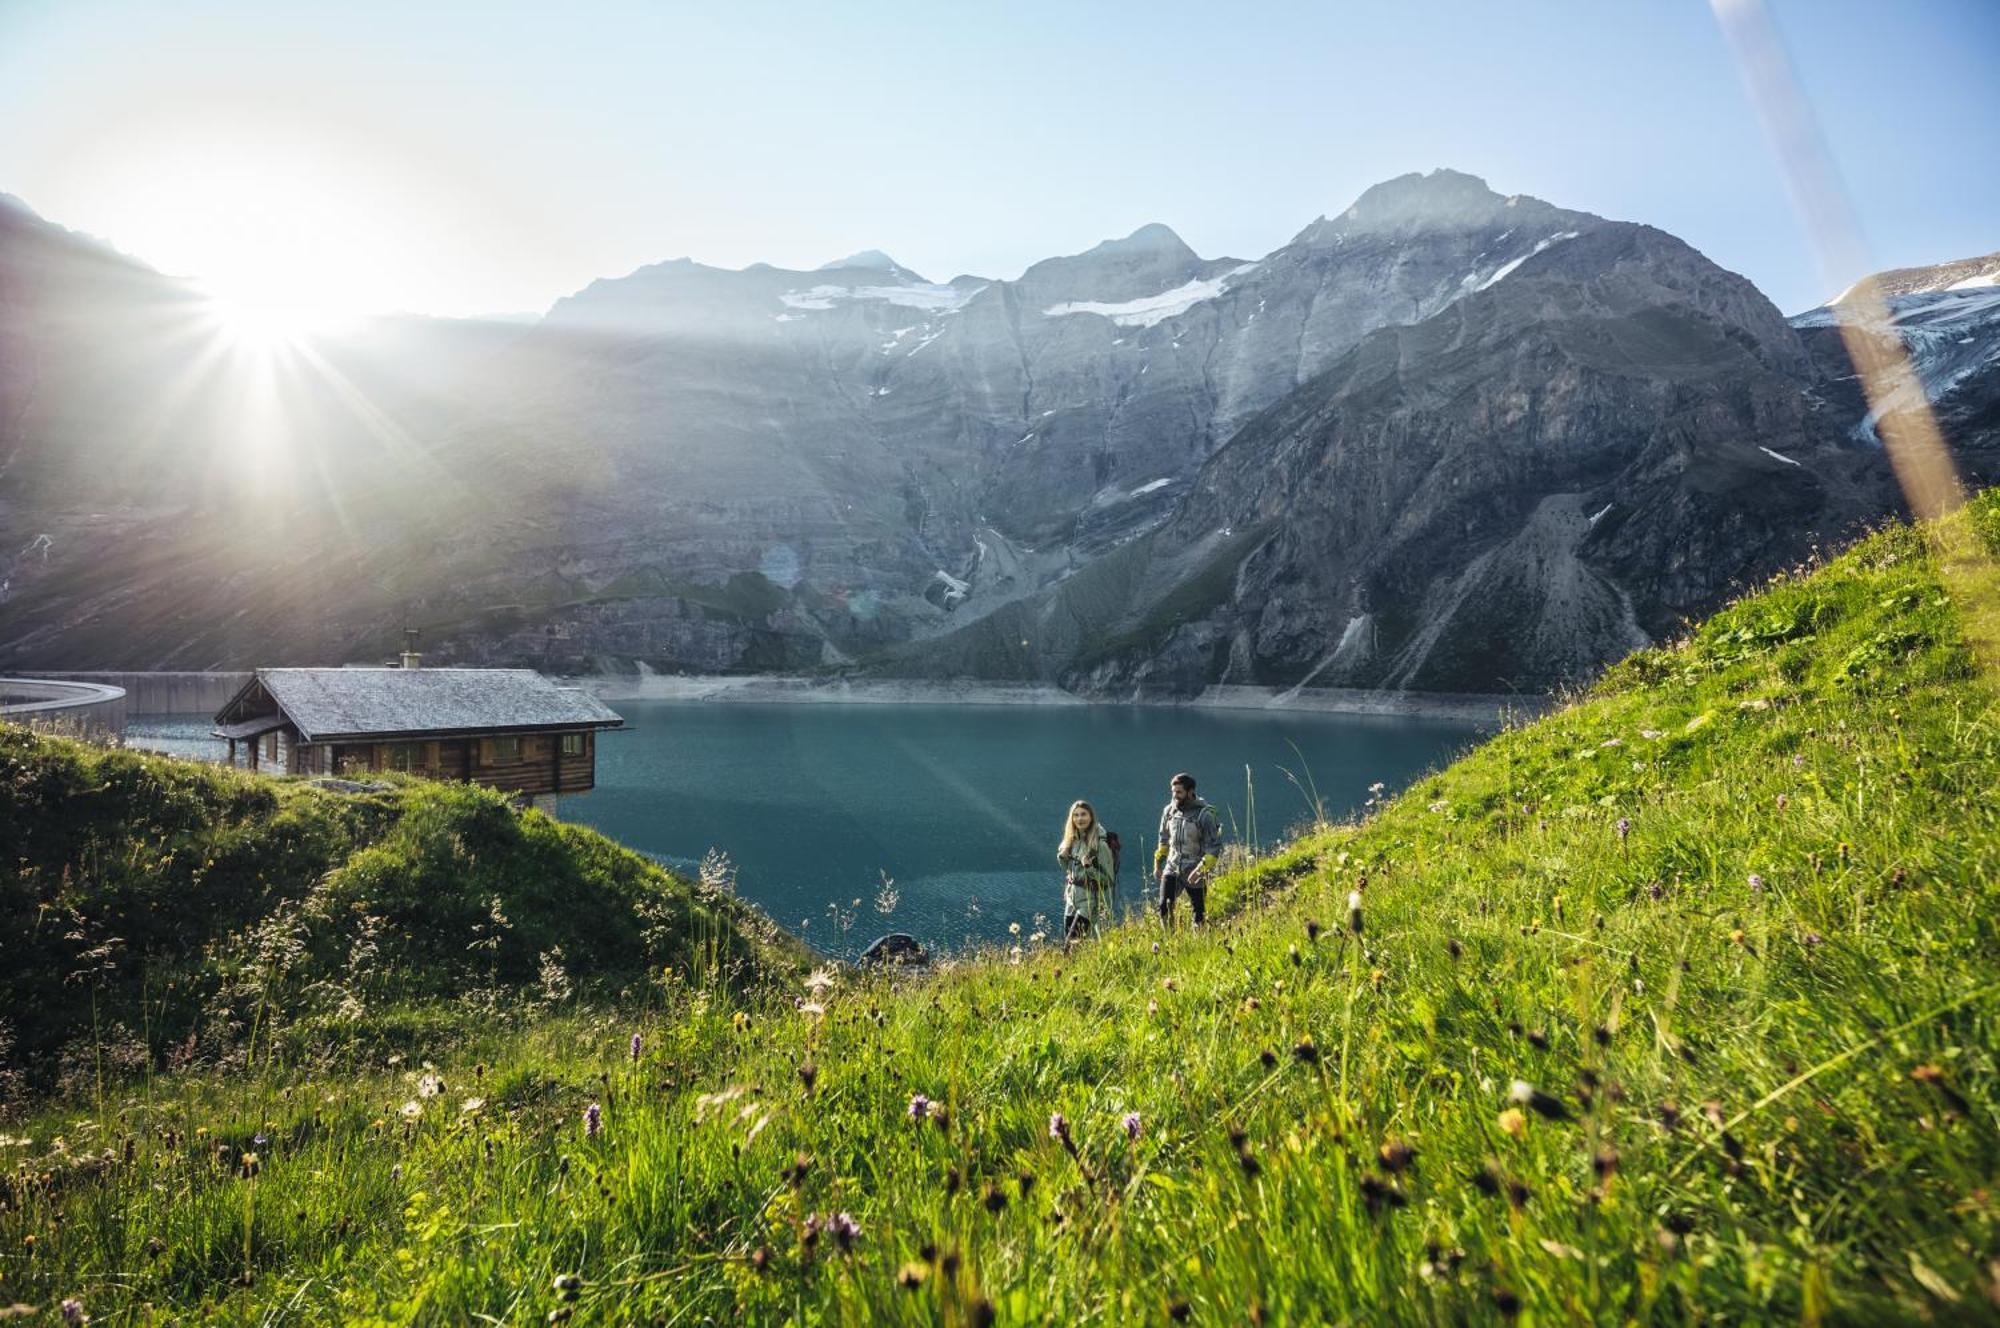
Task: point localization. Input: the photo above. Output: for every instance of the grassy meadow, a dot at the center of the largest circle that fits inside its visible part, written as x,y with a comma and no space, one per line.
1678,1005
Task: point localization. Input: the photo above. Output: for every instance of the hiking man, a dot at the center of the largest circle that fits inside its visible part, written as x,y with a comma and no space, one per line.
1190,839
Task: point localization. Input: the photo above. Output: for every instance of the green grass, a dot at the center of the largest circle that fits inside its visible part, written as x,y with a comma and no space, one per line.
1767,1014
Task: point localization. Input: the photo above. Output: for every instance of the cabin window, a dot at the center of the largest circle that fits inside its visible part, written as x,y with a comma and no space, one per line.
503,751
572,744
271,745
403,757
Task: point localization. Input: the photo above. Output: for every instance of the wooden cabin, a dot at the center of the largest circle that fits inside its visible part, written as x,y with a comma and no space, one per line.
509,729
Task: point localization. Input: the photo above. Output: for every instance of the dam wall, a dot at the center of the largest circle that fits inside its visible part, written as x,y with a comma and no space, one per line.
161,693
79,709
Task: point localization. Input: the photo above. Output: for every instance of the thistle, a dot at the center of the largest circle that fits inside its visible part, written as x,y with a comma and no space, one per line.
920,1108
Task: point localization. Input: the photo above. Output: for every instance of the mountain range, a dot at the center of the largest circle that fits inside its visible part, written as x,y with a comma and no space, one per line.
1444,440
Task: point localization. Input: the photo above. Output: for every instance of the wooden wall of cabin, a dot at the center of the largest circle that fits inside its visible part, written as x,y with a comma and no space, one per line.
527,763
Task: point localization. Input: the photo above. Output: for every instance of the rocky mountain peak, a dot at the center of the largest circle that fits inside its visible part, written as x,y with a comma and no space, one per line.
1152,239
1441,200
869,260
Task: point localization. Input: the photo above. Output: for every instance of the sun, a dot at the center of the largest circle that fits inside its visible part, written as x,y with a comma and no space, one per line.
270,324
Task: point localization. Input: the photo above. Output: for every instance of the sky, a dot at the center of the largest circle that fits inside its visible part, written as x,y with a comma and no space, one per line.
463,159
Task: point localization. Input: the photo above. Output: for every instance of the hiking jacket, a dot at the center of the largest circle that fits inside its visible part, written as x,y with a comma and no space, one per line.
1089,860
1188,836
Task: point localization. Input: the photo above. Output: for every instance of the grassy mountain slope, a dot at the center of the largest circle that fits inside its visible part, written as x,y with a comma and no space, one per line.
1681,1003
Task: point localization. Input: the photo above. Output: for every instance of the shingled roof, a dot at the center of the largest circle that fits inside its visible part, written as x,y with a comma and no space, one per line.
357,703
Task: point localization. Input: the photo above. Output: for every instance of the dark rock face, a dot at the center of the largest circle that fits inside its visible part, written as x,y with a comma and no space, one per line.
1549,472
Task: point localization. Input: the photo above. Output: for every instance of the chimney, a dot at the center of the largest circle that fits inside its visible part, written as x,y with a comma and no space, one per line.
411,659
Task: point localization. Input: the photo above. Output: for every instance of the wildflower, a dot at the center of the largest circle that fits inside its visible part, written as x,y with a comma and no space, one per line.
1354,911
1169,984
995,1200
1132,1126
1380,1194
1292,951
1058,1127
1756,884
1396,1156
412,1109
429,1086
741,1021
1267,1058
795,1174
248,1166
1152,1007
845,1230
1527,1095
568,1285
1624,828
637,1045
1305,1053
912,1276
72,1311
1798,759
1156,947
920,1107
593,1121
256,1140
810,1009
1783,801
1512,1122
1312,931
1377,787
808,1073
1013,929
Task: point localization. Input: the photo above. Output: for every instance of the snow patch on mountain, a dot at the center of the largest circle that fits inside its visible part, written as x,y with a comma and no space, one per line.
1151,310
1505,270
916,295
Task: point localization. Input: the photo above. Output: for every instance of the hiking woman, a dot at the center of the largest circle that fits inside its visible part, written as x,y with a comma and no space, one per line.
1089,876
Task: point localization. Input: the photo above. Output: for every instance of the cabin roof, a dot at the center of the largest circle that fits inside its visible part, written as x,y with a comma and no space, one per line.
385,702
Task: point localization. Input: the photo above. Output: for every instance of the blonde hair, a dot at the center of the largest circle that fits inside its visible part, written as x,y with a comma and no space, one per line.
1092,835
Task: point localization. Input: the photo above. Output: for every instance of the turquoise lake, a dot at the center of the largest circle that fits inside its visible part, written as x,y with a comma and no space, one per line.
960,806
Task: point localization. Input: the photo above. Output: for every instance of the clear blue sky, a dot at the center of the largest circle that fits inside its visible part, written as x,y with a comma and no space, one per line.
488,157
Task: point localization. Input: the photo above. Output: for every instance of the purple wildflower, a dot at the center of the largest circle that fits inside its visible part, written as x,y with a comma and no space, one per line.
844,1228
1058,1126
72,1311
1132,1127
259,1140
1756,884
593,1121
637,1046
1156,947
1624,829
920,1107
1798,759
1782,801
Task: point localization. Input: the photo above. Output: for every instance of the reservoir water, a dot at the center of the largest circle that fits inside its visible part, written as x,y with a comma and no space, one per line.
959,806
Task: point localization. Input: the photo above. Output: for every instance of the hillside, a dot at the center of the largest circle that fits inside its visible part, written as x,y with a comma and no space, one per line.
1679,1004
155,910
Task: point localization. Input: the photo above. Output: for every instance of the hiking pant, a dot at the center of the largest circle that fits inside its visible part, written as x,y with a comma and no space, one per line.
1172,885
1085,910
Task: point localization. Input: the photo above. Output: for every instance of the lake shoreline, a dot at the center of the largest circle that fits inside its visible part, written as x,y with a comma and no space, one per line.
775,689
